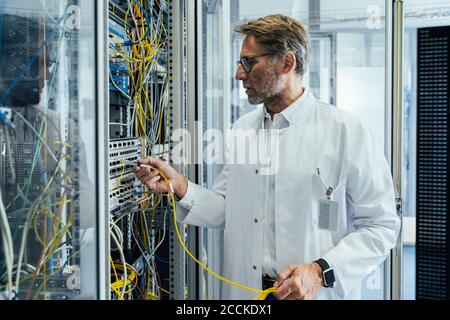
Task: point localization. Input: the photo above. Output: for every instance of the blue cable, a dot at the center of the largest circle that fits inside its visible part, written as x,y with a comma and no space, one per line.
161,259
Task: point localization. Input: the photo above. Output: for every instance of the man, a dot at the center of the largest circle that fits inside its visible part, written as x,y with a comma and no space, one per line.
326,216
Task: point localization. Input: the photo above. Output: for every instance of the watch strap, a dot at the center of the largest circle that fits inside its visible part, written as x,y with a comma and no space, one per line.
327,273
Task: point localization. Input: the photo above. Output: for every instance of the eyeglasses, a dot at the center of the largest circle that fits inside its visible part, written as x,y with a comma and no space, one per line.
248,62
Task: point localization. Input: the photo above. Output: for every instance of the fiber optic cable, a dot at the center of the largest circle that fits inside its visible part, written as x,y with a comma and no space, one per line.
262,294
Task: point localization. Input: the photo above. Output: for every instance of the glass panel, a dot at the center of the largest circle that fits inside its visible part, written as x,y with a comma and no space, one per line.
347,67
212,86
47,163
418,14
321,75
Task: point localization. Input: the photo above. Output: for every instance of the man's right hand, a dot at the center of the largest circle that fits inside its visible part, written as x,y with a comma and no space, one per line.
153,180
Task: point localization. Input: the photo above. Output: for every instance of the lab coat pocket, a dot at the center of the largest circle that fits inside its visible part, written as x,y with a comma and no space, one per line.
329,205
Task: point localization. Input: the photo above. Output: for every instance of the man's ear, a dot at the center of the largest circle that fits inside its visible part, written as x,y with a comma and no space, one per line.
289,62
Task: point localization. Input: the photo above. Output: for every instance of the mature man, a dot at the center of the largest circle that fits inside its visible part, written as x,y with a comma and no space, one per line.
326,216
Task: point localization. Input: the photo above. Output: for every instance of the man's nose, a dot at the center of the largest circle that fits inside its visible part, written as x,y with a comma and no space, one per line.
240,73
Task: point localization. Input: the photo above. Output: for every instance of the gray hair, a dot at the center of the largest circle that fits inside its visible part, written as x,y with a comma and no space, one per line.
279,34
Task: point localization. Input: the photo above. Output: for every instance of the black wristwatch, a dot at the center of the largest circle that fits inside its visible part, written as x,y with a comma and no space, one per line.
327,273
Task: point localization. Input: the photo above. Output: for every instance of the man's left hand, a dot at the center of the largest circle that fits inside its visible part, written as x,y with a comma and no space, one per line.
299,282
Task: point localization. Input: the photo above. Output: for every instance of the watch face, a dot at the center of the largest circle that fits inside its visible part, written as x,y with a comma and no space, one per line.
328,277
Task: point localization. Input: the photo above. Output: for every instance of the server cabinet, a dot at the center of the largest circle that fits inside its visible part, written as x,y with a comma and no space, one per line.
432,233
146,68
87,88
49,151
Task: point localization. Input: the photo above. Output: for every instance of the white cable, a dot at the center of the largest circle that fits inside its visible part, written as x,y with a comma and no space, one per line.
152,265
149,263
122,257
7,244
146,228
22,250
9,154
115,228
46,10
164,234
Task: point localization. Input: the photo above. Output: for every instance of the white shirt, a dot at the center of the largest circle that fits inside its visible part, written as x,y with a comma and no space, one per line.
350,160
279,121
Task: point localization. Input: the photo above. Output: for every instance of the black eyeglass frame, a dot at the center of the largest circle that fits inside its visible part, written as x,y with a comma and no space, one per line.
247,63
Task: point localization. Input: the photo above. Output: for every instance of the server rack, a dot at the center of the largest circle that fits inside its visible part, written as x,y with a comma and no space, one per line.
433,238
144,37
92,88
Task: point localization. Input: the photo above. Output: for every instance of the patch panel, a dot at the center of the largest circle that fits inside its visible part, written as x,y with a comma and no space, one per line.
123,205
123,194
124,150
119,169
123,184
127,179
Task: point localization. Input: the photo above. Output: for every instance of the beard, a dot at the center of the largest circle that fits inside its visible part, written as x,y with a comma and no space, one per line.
266,85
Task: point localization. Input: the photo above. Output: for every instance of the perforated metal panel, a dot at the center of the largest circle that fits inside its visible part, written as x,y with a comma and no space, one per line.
22,164
433,242
19,58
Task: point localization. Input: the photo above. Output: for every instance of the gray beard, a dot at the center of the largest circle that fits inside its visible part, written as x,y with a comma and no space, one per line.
256,100
270,87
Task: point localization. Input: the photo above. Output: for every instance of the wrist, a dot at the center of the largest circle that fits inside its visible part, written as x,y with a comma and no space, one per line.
181,186
318,271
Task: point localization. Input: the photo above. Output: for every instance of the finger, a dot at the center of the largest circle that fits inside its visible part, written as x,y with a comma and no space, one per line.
160,187
146,173
152,181
144,161
143,175
284,290
284,294
149,174
295,296
156,163
283,275
155,179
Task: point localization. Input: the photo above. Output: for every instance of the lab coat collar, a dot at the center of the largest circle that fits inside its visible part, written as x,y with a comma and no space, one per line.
296,112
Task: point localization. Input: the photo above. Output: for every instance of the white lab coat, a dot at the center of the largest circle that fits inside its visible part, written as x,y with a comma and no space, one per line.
349,158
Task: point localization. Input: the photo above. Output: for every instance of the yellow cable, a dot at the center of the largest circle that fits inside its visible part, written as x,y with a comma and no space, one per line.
120,177
65,144
119,284
114,268
262,294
